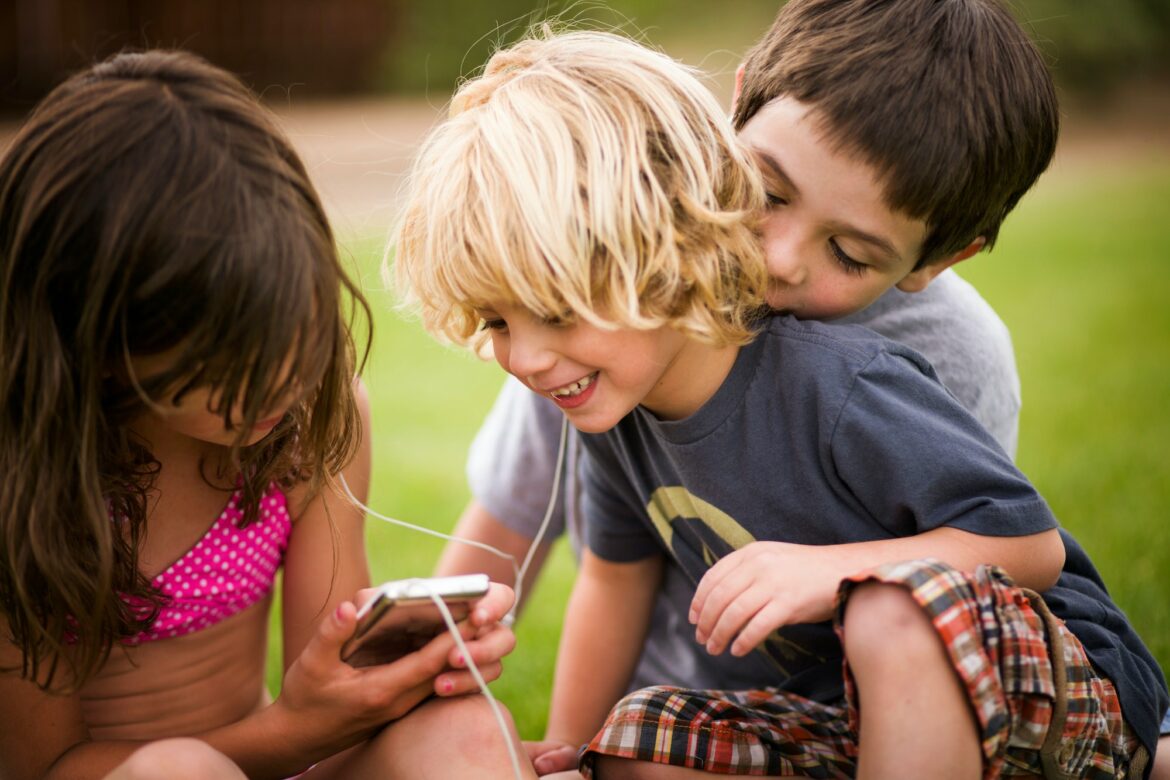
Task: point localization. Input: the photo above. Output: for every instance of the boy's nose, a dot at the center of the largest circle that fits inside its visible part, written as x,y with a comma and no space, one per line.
784,264
528,357
783,253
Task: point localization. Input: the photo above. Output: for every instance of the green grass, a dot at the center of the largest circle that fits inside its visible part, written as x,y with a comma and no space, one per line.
1079,276
1081,280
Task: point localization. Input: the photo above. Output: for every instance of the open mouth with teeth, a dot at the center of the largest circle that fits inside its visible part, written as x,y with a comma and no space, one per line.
574,393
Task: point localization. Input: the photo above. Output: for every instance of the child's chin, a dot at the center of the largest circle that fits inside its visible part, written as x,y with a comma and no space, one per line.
587,425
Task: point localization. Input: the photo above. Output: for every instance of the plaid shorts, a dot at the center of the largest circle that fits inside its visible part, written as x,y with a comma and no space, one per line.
1040,706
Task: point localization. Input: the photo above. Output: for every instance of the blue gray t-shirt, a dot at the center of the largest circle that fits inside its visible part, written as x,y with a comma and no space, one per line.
510,462
829,435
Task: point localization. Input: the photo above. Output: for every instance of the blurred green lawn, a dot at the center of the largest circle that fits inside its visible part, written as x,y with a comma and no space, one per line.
1079,276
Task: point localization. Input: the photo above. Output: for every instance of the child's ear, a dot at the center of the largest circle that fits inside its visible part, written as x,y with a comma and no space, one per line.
738,87
918,279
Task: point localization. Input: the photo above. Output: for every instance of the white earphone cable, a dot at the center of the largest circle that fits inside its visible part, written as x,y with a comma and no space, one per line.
475,673
519,572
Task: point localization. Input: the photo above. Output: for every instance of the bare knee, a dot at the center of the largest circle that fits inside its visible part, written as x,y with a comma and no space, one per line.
176,759
463,730
471,719
885,626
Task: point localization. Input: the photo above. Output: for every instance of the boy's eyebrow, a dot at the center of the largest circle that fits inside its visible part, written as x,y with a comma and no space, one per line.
775,167
777,170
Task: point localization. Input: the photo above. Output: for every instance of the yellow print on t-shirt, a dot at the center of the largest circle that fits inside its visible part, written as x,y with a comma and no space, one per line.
698,534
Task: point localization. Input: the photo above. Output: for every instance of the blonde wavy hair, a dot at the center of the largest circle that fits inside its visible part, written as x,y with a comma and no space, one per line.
584,175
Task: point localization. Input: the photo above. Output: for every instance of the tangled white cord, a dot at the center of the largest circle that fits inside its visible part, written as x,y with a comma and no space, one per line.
471,667
519,572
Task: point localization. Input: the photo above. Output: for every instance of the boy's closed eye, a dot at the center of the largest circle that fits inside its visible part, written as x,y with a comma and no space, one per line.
492,323
847,263
562,320
775,199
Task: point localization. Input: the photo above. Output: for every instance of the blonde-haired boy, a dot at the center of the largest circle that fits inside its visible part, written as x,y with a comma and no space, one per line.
587,211
833,243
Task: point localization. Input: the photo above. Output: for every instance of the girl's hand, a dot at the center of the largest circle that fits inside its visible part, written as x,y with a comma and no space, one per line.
751,592
326,705
487,640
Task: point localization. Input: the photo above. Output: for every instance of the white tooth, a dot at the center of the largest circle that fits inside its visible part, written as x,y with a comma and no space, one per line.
574,388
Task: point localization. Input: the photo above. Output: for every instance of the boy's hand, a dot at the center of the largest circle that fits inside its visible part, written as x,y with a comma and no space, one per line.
551,756
751,592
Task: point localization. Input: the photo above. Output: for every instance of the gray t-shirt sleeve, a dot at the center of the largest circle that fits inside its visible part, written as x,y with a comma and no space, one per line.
965,340
614,528
511,461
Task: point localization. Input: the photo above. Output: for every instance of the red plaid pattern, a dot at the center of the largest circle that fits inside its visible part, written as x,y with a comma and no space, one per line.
760,733
1039,714
1041,706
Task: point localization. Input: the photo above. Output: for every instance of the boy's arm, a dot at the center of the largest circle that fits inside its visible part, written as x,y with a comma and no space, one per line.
478,524
749,593
926,481
605,626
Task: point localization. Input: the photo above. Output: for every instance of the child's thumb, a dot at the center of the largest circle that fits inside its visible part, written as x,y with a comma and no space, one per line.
334,631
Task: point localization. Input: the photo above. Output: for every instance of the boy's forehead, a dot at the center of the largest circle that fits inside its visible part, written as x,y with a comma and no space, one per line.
795,148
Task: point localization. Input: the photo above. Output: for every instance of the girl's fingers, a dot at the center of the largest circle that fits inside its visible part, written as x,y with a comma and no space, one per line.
491,646
492,607
454,683
413,669
324,647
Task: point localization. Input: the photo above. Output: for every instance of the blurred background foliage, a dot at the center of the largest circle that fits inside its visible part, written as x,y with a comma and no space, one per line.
329,47
1092,45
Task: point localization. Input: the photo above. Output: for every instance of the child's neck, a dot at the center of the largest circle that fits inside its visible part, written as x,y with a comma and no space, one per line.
693,377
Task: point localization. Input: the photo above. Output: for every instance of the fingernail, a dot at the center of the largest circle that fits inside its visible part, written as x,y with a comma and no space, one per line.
459,660
338,613
447,685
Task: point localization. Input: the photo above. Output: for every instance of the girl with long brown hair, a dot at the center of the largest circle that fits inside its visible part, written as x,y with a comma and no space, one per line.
178,405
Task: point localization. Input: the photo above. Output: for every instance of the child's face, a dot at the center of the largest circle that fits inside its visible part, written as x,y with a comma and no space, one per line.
832,245
193,415
597,376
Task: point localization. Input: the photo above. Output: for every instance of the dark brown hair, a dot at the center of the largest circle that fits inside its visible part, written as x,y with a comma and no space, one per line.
949,100
150,205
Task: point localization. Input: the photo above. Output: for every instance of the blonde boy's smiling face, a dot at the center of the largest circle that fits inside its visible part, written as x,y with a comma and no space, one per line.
832,245
595,375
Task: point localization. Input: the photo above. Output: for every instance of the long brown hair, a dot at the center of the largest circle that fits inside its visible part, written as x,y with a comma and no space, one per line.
150,205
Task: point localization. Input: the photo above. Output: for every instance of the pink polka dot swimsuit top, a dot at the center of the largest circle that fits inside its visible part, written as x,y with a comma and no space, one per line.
228,570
